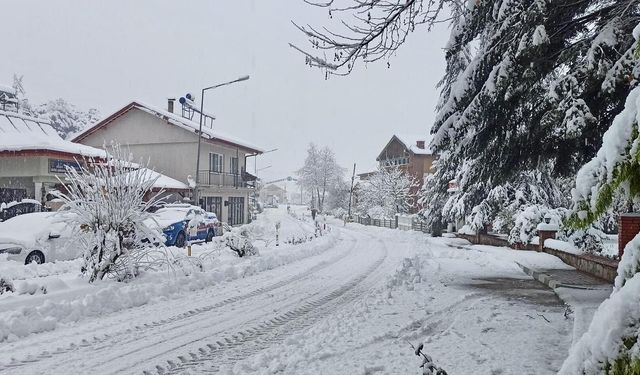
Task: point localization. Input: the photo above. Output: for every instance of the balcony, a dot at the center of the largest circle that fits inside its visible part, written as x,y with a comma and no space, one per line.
231,180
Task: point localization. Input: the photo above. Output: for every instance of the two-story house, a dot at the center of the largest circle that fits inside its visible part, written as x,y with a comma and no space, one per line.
170,142
409,153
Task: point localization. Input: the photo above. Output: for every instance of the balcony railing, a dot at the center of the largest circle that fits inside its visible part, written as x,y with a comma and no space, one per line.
223,179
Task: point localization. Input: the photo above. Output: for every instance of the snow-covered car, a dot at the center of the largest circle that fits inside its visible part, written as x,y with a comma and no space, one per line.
180,223
38,237
13,209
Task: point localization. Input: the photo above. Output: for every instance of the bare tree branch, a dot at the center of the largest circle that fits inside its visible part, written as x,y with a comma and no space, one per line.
372,30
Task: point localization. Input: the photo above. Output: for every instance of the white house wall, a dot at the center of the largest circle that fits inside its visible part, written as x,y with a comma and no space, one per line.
170,150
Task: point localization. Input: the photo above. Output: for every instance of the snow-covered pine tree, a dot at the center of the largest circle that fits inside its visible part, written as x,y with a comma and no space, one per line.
530,86
65,117
507,109
610,346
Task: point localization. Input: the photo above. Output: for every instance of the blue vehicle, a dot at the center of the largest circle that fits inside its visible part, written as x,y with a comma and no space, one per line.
183,222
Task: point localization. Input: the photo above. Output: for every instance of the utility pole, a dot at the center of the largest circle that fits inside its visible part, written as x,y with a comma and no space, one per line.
353,177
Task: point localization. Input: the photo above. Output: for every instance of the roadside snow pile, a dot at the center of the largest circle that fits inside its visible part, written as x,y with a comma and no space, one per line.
408,275
562,246
18,271
111,297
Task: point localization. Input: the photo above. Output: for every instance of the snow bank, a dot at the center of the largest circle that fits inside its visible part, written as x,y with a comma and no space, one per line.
18,271
562,246
111,297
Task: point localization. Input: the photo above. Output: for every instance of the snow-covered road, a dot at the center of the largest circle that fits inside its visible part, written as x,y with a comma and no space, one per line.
351,308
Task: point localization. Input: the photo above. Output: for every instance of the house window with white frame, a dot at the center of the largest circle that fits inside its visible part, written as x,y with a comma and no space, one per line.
216,162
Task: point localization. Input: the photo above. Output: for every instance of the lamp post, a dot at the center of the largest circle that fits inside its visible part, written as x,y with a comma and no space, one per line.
196,200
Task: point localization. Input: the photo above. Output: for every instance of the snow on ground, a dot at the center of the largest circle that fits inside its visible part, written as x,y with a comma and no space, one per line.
350,302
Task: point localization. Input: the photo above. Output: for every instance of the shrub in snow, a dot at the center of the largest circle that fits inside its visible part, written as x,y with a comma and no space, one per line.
239,241
108,197
6,285
527,220
589,240
339,212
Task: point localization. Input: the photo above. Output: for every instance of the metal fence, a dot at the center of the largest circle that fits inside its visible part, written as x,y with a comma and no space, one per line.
221,179
401,222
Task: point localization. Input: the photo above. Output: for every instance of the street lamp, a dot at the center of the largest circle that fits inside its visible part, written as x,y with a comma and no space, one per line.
195,188
255,162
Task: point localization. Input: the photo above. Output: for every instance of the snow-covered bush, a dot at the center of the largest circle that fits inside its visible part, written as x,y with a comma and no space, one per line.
527,220
377,212
108,198
589,240
6,285
239,240
338,213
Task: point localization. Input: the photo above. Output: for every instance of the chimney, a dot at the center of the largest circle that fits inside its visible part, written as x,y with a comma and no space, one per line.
420,144
170,102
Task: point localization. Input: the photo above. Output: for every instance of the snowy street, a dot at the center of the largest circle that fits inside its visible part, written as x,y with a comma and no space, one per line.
350,302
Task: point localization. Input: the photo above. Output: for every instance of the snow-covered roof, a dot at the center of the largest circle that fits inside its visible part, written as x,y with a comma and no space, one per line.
177,120
165,182
8,89
20,133
411,142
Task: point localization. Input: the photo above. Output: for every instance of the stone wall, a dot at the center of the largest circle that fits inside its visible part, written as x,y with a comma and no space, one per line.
603,268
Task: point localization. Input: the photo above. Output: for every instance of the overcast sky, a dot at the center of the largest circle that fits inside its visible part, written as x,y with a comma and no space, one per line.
103,54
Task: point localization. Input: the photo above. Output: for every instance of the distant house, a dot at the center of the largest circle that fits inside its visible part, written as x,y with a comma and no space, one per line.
169,141
33,156
269,192
409,153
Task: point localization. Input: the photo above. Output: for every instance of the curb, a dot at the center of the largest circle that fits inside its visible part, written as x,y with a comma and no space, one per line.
549,281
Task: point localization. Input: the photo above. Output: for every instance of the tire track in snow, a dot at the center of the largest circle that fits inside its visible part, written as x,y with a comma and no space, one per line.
186,319
233,347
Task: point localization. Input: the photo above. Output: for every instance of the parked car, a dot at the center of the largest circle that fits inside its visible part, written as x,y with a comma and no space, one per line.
13,209
180,223
38,237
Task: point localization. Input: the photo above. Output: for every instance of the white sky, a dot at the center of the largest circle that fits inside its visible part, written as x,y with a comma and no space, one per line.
103,54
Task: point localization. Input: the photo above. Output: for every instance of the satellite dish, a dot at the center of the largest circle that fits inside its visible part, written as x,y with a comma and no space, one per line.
190,97
182,100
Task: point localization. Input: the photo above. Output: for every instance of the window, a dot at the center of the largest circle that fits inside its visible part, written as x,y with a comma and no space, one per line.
216,162
234,165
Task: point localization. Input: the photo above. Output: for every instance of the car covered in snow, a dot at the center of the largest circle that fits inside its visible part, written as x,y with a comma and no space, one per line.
39,237
13,209
180,223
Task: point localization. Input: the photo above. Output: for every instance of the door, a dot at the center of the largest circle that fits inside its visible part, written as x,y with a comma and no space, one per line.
213,204
236,210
